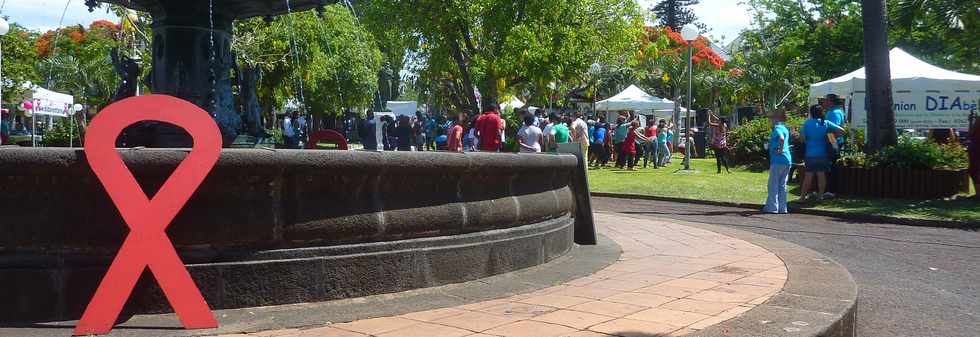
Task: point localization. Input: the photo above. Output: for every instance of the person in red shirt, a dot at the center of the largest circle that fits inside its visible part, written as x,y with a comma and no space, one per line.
454,140
488,128
629,145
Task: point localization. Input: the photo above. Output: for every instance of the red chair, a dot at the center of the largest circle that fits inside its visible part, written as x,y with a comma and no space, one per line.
327,136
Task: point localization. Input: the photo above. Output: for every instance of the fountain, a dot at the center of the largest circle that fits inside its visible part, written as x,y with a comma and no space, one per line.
192,58
276,227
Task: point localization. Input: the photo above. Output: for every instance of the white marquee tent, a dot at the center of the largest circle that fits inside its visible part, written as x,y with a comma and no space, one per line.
924,96
403,108
634,98
513,103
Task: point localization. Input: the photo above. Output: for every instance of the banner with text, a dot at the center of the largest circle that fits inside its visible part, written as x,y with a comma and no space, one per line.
923,110
50,103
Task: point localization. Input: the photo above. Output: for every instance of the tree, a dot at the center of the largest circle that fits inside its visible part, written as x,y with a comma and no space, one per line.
663,63
19,57
336,60
881,116
75,60
794,43
677,13
943,32
505,47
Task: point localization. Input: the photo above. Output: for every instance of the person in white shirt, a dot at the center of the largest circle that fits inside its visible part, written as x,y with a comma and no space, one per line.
475,141
549,134
580,133
503,137
530,136
289,131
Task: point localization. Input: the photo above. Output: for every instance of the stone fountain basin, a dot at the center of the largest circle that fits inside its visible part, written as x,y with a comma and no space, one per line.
277,227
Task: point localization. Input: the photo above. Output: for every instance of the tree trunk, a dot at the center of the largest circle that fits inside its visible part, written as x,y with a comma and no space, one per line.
464,72
881,119
488,90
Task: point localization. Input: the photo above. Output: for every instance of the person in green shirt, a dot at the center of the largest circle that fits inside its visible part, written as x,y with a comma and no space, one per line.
562,133
619,136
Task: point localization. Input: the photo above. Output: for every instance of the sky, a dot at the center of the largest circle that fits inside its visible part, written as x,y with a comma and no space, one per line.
725,17
43,15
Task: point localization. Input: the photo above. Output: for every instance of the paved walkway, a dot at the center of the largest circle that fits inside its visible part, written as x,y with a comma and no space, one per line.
914,281
671,280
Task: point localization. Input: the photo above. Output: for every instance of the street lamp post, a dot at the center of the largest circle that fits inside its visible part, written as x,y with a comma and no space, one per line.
689,33
595,69
4,28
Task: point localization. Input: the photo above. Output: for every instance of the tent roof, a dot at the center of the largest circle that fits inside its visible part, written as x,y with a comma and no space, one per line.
907,72
514,102
634,98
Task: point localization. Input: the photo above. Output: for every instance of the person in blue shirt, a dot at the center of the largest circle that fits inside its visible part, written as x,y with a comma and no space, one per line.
816,156
368,132
835,114
780,161
663,151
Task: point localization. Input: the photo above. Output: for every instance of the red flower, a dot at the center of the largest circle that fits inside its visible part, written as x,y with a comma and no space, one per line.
77,36
104,24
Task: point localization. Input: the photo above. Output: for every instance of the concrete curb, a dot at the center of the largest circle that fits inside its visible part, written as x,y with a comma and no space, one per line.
819,298
809,211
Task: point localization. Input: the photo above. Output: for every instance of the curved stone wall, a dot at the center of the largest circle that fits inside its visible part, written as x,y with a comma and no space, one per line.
274,227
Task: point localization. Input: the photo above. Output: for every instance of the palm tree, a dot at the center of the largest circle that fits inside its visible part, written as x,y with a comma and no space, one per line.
952,14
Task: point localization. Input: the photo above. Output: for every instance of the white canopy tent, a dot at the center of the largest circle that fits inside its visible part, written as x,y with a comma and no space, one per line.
513,103
48,103
403,108
635,99
924,96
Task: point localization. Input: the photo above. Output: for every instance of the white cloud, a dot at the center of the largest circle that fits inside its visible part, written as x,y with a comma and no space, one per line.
725,17
43,15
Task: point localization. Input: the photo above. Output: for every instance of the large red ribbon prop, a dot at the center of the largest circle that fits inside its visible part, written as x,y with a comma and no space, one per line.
147,245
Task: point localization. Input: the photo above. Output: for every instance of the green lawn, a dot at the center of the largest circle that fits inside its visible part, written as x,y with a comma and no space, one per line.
743,186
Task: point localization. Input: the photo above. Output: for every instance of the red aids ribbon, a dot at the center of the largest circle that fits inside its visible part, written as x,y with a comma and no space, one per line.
147,245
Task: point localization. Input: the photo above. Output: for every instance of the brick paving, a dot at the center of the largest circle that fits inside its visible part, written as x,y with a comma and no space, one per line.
671,280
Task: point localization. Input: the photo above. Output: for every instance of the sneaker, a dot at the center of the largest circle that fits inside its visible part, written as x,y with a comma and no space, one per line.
829,195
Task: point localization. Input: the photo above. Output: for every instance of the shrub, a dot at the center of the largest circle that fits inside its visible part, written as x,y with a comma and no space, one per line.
748,141
911,153
277,137
61,133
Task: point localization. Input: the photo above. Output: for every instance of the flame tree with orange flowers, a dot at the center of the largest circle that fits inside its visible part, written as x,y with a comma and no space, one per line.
662,63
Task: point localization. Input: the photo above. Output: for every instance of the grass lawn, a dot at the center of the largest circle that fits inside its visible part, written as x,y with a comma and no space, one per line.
744,186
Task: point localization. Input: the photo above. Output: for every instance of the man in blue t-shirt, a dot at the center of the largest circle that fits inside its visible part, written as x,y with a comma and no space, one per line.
835,115
599,135
780,161
367,132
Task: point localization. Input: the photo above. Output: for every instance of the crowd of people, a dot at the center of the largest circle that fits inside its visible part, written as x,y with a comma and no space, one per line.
624,143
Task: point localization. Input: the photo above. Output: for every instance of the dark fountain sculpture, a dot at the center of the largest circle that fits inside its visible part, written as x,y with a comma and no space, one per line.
275,227
192,57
